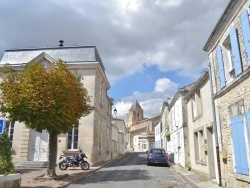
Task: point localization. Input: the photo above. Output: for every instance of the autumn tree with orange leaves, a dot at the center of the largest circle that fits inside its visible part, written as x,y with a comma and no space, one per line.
50,99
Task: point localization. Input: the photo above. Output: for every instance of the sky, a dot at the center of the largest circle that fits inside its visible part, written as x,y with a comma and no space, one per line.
149,48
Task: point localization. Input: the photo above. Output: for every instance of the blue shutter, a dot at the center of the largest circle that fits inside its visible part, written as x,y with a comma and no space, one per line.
238,137
244,18
221,67
248,123
236,52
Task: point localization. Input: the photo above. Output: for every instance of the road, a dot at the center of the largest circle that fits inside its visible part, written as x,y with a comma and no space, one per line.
132,172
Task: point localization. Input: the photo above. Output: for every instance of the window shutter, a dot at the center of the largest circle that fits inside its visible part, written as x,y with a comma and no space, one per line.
245,25
236,52
240,154
248,123
221,67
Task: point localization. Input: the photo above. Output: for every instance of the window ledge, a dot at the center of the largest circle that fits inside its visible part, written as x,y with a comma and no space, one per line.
197,117
201,162
70,152
242,177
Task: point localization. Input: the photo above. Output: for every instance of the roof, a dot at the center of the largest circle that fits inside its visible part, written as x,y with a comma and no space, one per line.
181,91
72,54
135,106
219,23
196,85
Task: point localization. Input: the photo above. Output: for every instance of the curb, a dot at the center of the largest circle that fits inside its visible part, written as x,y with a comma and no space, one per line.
182,177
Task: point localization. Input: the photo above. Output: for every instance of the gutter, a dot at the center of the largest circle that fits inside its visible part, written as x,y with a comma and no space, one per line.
215,125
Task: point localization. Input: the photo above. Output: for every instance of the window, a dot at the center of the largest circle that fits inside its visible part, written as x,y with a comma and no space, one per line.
100,137
228,56
152,144
73,138
101,92
9,128
196,104
108,138
199,142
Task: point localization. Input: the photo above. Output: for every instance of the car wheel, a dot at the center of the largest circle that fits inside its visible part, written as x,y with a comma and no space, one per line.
148,164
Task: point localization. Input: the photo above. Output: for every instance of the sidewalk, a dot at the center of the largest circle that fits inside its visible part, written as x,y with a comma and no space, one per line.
192,178
33,177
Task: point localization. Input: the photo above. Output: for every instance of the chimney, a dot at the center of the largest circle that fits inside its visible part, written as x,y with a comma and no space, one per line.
61,42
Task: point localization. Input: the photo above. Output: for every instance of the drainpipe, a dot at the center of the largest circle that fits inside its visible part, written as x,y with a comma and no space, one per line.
215,125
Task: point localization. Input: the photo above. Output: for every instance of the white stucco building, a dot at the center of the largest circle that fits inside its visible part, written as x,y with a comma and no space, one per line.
178,130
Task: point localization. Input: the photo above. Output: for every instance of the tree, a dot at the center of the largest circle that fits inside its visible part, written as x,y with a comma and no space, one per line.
50,99
6,165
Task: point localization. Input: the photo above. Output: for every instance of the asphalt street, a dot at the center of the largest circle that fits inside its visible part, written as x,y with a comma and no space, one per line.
132,171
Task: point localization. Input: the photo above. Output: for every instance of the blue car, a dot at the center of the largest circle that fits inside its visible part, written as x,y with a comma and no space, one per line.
157,156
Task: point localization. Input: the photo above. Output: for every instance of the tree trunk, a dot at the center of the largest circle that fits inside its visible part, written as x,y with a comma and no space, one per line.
51,171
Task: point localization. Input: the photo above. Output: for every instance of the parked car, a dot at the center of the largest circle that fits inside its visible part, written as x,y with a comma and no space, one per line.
157,156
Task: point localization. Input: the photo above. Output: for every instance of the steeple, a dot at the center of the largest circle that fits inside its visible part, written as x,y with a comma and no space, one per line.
135,114
135,106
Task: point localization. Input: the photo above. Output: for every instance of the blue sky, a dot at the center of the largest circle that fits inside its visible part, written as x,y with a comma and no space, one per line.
149,48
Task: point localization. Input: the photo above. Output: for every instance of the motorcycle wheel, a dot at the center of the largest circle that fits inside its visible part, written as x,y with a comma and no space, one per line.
85,165
63,165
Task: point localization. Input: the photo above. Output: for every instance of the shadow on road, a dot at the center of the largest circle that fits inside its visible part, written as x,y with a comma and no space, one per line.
117,176
135,158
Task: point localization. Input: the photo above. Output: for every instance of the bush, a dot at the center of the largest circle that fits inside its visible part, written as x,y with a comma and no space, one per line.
6,164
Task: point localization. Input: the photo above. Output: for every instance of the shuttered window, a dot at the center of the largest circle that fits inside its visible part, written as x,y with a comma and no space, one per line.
244,18
235,51
240,154
221,67
248,123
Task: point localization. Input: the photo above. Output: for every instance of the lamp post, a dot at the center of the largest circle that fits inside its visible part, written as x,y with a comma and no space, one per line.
115,111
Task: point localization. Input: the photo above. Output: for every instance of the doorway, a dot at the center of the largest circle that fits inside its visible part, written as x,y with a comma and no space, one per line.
38,146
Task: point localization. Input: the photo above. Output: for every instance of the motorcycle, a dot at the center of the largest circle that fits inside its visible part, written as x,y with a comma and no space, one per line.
73,161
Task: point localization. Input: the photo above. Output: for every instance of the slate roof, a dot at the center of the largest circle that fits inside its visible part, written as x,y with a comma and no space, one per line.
135,106
74,54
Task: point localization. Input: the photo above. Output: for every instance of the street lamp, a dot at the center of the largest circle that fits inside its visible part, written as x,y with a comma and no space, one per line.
115,111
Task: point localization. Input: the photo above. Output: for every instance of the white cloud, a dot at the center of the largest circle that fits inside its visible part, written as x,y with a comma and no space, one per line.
164,84
168,3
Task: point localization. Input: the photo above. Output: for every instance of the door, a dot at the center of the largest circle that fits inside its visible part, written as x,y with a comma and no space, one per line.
38,147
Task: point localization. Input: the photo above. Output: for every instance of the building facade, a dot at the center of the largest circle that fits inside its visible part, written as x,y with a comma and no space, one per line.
122,135
91,132
228,49
178,130
162,128
200,125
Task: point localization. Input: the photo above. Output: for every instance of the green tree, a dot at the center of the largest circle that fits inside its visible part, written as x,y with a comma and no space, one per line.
6,165
50,99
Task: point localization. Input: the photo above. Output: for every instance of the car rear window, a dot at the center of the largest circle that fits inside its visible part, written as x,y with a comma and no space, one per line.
158,151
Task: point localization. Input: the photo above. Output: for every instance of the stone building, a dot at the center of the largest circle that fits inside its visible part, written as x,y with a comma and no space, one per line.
178,131
228,49
162,128
92,131
141,130
122,135
200,128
